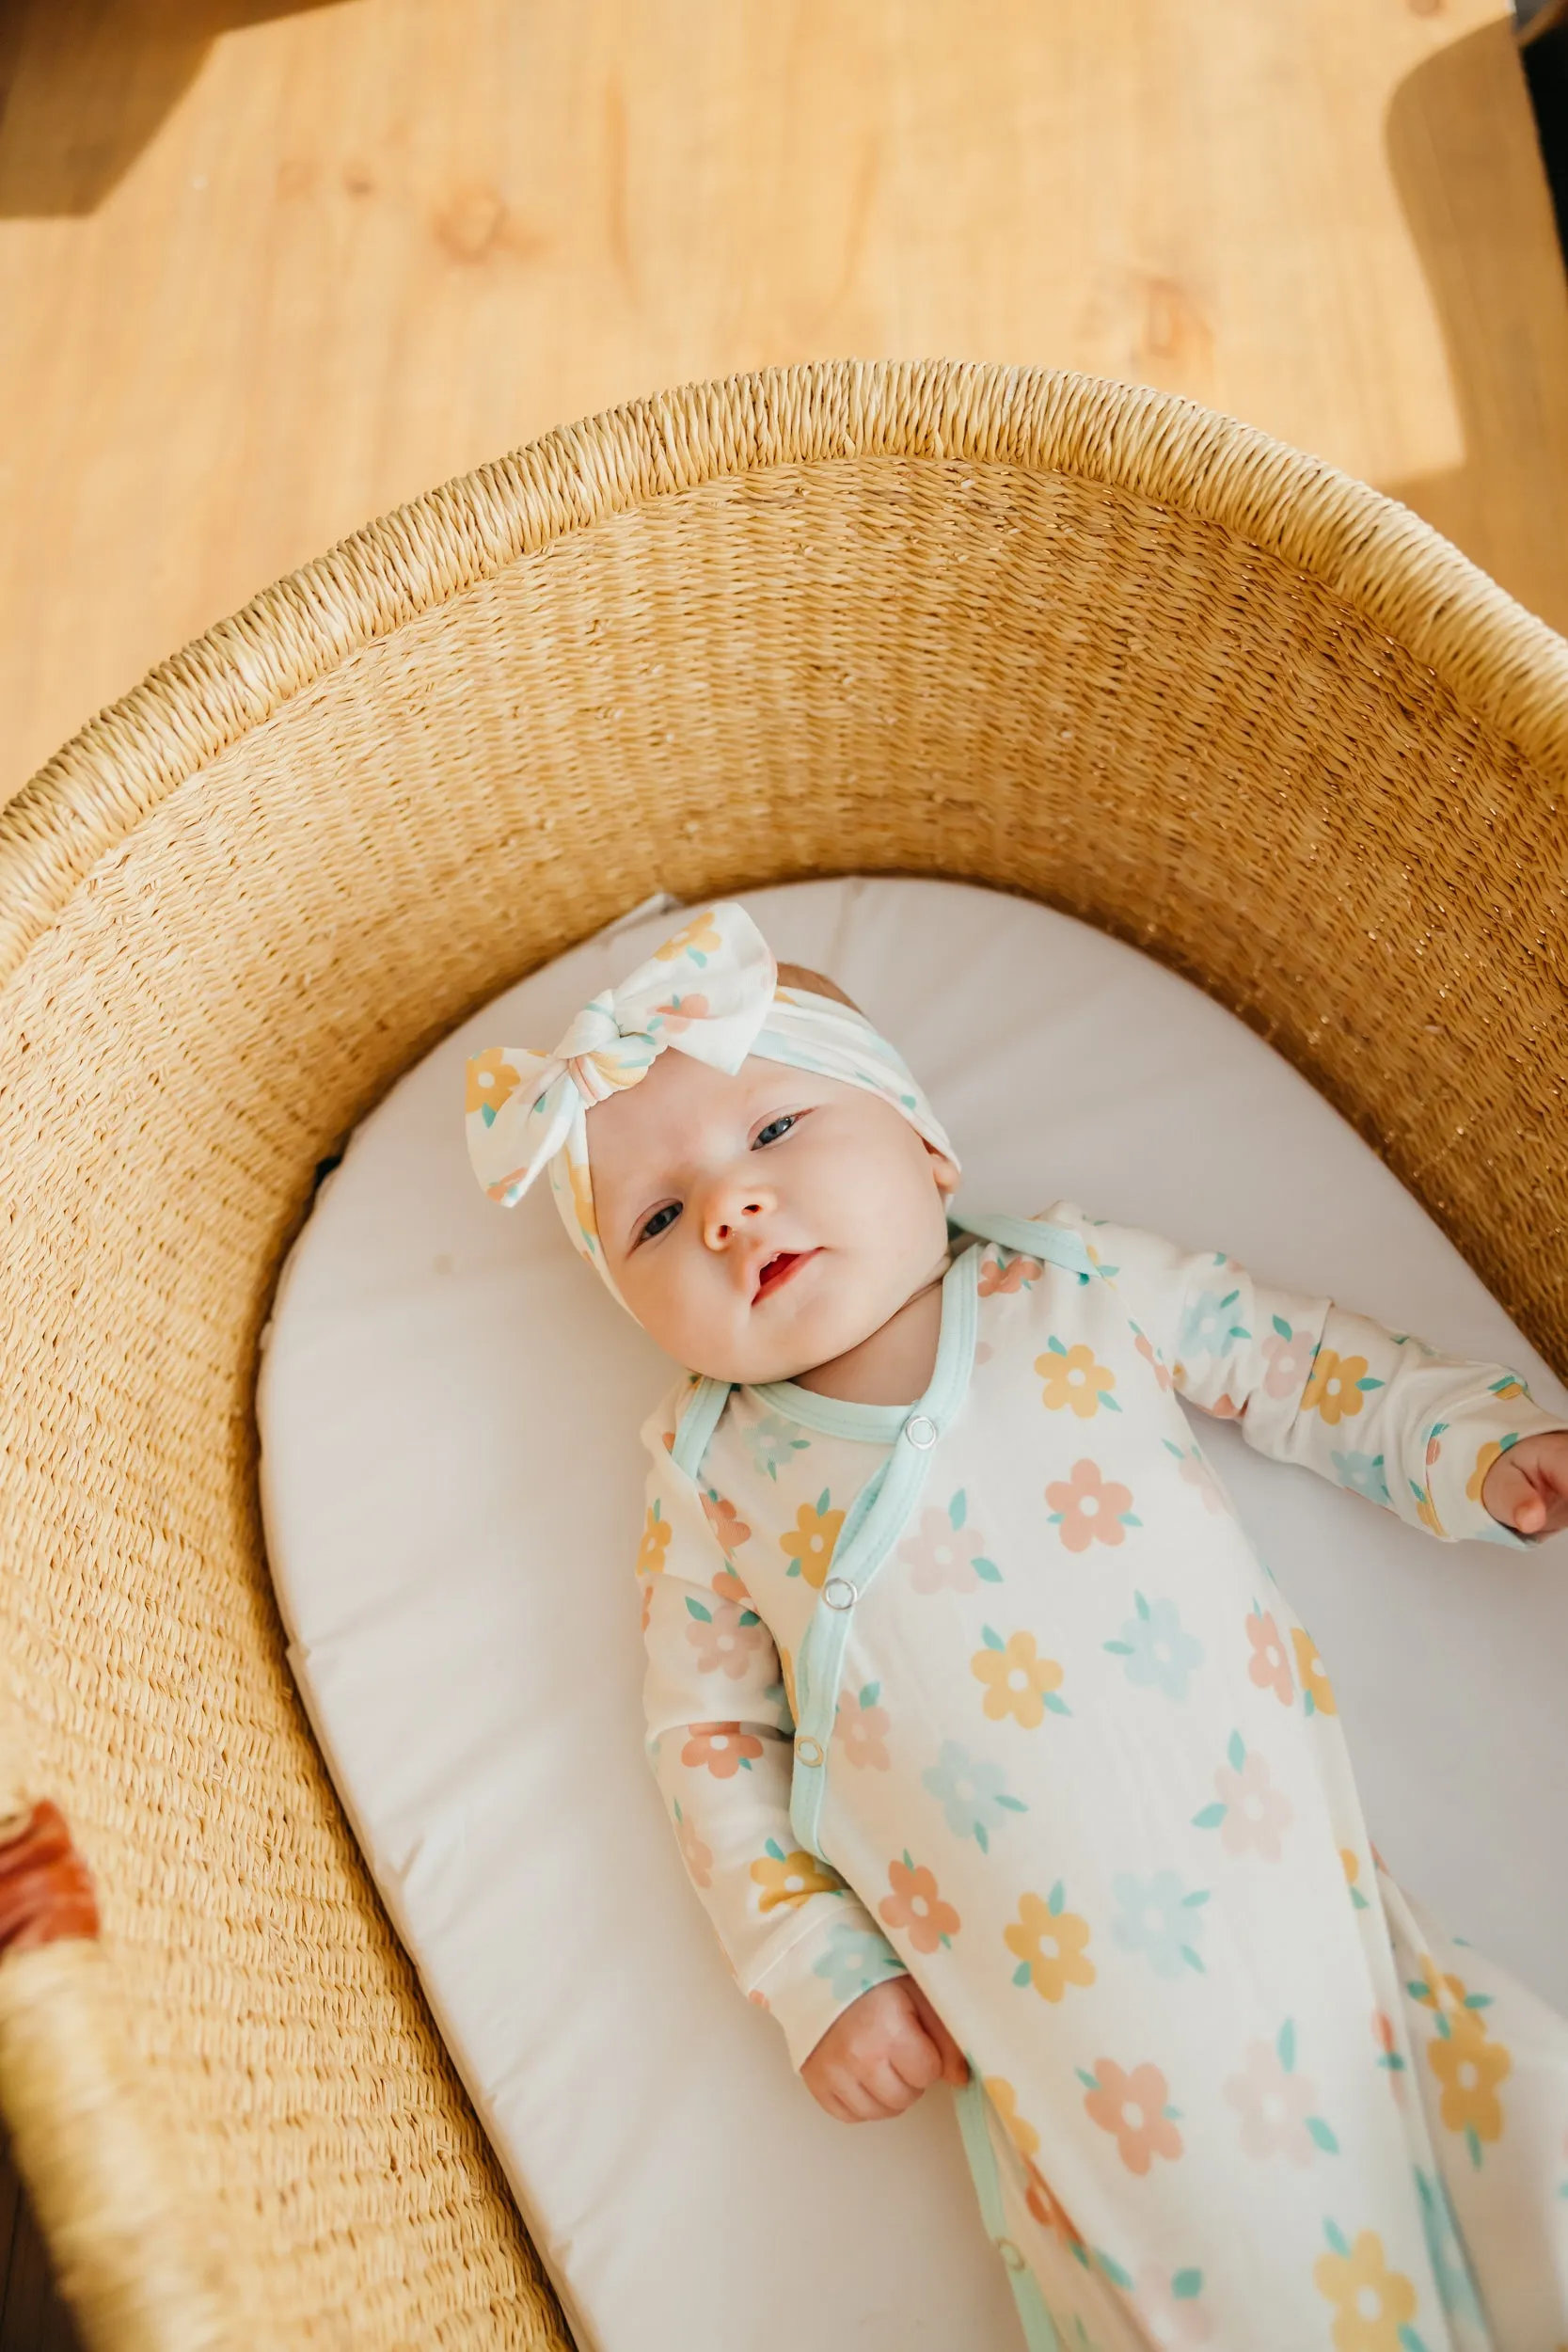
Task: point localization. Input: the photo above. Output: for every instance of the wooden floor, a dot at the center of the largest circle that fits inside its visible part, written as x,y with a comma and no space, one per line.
266,270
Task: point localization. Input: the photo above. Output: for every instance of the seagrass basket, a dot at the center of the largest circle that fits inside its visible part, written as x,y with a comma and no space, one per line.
1064,637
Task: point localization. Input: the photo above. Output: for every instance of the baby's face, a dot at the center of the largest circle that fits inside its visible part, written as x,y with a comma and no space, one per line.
761,1225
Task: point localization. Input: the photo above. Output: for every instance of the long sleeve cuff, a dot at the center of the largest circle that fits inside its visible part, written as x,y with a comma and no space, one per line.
1461,1452
839,1955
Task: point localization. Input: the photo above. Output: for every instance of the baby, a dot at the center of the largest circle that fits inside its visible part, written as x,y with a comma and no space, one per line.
991,1748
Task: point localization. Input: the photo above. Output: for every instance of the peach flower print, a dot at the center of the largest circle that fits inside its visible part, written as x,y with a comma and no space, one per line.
1275,2103
1090,1508
1316,1688
1048,1942
697,1857
1133,2107
726,1637
1269,1668
1197,1473
1252,1815
1373,2303
1168,2309
657,1532
791,1877
1337,1386
1042,2202
1019,1682
491,1080
945,1553
699,940
720,1748
915,1905
1015,1276
809,1543
680,1012
1151,1356
1071,1377
861,1726
725,1521
1289,1356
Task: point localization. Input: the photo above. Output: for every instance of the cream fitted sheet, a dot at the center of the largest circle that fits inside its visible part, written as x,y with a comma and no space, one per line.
452,1484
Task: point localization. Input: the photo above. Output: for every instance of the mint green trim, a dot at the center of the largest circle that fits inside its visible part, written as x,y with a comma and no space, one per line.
834,1415
1040,2328
880,1514
704,1411
1036,1236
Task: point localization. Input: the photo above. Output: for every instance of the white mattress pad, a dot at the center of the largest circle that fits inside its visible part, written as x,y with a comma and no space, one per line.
451,1485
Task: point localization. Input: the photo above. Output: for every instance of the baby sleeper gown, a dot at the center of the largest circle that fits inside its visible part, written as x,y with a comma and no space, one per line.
995,1690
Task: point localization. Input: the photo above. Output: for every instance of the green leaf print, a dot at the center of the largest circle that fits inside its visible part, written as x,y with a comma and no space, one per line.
698,1610
1056,1705
1113,2270
1282,1326
1014,1804
991,1639
957,1509
1090,2082
1210,1817
1473,2144
870,1692
1055,1900
1368,1383
1285,2046
1192,1961
1022,1974
981,1839
1191,1903
1141,1605
822,1503
1236,1750
1118,1649
1179,1452
1322,2134
1185,2285
1410,2341
774,1849
1336,2237
986,1570
1056,1347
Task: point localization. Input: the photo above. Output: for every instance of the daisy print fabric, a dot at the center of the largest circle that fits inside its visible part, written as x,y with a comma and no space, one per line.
1086,1781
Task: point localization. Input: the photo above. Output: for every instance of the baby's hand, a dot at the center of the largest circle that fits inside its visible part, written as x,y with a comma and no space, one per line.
880,2052
1527,1488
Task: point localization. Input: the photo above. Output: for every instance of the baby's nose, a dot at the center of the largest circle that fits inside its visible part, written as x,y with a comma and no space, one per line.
731,1211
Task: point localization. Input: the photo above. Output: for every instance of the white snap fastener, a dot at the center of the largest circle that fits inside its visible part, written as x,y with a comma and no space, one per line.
839,1593
1010,2253
921,1432
808,1750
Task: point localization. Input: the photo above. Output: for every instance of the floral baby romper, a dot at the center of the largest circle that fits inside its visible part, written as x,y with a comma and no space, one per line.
994,1689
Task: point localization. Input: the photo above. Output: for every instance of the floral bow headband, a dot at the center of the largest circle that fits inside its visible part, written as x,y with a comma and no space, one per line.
711,992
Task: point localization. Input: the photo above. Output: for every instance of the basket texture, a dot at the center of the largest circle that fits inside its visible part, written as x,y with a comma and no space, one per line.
1069,638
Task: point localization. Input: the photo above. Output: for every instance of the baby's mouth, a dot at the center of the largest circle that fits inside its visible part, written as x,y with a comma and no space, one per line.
775,1271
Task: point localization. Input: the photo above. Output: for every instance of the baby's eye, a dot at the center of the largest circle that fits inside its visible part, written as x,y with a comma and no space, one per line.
660,1221
774,1129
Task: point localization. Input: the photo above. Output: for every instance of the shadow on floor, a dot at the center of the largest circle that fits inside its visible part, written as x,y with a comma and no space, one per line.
1469,174
85,84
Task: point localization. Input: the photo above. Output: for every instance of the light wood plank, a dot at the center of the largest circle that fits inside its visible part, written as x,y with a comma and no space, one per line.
265,271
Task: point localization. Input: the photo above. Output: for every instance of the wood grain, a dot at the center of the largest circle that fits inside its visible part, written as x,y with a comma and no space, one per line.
266,271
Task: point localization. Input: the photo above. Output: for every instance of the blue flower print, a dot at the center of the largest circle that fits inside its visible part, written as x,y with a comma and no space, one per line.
971,1792
1362,1474
855,1960
1210,1325
772,1441
1160,1920
1160,1655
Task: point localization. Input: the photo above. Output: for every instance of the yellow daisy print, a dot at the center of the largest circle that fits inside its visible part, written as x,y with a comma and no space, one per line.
1071,1378
700,939
1371,2304
809,1544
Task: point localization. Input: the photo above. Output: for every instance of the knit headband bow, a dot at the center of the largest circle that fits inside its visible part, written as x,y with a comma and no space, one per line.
710,991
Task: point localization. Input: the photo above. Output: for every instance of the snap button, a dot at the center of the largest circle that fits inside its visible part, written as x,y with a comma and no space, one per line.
1010,2253
921,1432
808,1750
839,1593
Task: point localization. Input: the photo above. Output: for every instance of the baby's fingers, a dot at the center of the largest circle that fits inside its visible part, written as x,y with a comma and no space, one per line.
1509,1495
954,2066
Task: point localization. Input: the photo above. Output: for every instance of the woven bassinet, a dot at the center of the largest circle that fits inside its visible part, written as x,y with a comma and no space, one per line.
1060,636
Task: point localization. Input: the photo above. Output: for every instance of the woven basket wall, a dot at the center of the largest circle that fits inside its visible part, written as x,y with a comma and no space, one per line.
1060,636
